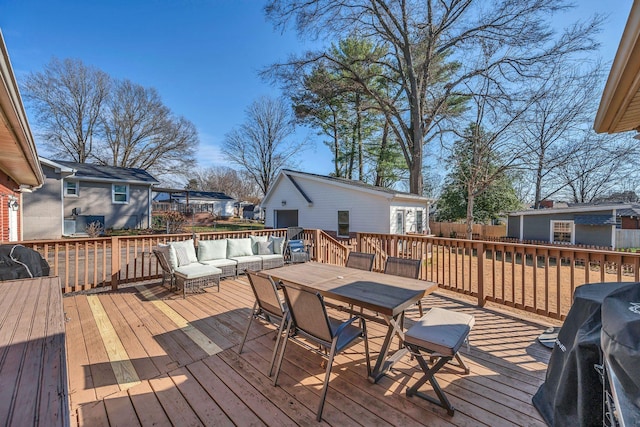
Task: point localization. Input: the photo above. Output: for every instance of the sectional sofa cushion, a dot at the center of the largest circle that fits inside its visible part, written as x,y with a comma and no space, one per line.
239,248
255,240
220,262
278,244
188,253
194,271
212,249
265,248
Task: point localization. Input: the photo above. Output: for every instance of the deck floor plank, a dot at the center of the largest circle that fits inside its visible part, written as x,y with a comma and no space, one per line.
81,388
185,386
149,410
103,377
199,400
143,364
236,409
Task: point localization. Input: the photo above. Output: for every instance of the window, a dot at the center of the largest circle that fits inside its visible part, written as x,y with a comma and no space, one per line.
71,188
120,193
562,231
419,224
343,223
400,222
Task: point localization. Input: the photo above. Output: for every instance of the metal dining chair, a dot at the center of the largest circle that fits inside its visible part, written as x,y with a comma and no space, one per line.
268,307
360,260
404,267
308,319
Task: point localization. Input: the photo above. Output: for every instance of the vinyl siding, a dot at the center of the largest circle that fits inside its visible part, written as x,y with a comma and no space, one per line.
42,209
367,212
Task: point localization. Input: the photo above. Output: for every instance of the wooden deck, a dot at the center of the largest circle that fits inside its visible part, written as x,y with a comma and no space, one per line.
144,356
33,380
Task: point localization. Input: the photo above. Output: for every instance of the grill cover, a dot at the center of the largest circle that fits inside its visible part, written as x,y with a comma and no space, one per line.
572,392
621,348
19,262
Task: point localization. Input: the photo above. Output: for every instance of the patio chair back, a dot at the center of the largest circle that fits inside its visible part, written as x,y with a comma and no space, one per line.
266,293
308,313
163,259
403,267
268,306
295,233
360,260
309,319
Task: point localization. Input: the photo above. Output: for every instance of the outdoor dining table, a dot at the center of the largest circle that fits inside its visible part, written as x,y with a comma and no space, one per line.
385,294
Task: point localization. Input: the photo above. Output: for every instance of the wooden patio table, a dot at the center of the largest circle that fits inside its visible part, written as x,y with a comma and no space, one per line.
33,376
384,294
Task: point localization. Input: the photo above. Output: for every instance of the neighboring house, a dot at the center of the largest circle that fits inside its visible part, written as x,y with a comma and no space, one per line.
19,167
219,204
342,206
597,225
77,194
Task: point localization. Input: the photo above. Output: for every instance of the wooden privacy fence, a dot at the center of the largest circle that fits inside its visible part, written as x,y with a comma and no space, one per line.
453,230
539,279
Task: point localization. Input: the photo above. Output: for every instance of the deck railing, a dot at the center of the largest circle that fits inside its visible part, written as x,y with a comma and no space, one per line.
534,278
88,263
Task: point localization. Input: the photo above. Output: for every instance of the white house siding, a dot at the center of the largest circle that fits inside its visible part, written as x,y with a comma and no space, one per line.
368,211
410,216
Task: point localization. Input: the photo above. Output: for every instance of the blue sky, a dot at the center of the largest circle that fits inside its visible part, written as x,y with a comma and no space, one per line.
201,55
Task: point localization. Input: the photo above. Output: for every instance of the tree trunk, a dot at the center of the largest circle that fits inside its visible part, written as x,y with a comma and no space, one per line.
470,216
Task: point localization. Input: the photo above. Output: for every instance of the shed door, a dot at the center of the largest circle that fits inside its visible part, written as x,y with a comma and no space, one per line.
286,218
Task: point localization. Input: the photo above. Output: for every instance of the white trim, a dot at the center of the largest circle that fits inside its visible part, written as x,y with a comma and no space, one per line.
594,208
348,211
64,188
113,194
566,221
521,231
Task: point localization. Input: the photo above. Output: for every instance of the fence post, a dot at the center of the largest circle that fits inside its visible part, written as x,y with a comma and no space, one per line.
315,246
115,263
480,269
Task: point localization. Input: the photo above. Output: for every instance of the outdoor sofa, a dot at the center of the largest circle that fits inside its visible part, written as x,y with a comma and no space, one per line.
219,258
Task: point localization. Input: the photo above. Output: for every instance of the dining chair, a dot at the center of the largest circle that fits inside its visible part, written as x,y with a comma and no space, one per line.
268,307
360,260
404,267
309,319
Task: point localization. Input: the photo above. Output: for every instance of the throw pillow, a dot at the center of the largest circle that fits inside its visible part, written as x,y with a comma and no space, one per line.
254,242
189,247
265,248
278,244
212,249
239,247
182,256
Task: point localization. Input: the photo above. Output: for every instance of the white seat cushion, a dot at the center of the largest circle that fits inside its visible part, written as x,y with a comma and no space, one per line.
219,262
196,270
440,331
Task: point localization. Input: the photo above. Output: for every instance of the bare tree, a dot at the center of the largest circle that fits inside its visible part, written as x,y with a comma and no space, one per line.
141,132
596,166
564,106
68,98
236,184
261,145
432,46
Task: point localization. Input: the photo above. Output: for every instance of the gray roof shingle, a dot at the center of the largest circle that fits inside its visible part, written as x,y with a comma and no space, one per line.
113,173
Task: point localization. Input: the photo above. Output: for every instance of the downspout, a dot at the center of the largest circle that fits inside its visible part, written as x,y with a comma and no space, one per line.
149,209
521,228
428,228
613,231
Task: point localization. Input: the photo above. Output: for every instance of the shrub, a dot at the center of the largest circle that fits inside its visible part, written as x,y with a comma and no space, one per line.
94,229
171,221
